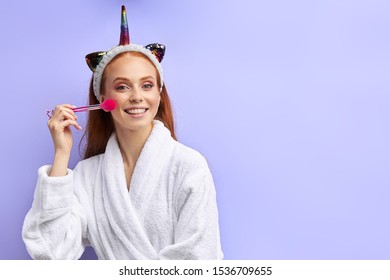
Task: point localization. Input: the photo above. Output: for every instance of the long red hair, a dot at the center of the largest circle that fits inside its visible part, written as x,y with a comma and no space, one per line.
100,124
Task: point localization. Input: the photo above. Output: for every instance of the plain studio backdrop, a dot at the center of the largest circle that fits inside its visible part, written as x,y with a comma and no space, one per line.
287,100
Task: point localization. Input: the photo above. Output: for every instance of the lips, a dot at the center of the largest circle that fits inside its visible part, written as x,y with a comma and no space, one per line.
136,111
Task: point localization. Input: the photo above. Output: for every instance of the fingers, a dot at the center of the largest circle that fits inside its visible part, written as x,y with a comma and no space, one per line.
63,116
61,109
61,125
71,122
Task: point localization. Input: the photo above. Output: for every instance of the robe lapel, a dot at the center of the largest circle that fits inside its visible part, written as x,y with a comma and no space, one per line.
120,221
154,157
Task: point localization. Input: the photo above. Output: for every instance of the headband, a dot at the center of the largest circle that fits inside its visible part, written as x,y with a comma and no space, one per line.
97,61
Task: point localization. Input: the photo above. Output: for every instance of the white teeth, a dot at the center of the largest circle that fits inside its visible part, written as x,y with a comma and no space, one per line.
135,111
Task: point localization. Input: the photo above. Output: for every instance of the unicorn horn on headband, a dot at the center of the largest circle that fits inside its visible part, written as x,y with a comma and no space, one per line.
93,59
124,37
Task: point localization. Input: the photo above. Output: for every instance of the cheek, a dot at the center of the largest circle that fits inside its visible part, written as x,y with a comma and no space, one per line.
119,101
157,99
156,103
118,98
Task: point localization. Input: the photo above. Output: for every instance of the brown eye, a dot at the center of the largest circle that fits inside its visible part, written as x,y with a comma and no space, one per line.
121,87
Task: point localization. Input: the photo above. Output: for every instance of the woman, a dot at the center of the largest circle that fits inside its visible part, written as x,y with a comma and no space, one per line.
138,194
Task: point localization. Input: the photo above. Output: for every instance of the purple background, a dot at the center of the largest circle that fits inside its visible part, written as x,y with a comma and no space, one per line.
288,101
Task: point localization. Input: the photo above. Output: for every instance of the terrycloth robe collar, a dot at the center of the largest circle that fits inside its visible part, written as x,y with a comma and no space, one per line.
119,212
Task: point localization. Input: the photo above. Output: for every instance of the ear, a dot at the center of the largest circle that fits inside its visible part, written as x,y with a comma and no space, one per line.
93,59
101,99
158,50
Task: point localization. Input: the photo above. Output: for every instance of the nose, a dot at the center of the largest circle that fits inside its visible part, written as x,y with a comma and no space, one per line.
135,96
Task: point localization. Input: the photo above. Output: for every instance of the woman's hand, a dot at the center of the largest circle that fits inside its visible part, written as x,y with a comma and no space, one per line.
59,125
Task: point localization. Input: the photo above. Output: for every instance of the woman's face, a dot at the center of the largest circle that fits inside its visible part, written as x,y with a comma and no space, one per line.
131,81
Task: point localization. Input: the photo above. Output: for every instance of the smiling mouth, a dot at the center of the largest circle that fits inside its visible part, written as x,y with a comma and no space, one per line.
136,111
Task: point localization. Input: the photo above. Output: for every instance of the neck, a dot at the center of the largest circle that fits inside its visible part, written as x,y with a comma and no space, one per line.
131,143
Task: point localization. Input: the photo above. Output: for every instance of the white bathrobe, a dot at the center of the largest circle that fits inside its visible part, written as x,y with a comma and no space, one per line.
170,211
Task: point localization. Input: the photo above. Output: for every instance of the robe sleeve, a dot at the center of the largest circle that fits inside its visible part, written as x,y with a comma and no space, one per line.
56,225
196,234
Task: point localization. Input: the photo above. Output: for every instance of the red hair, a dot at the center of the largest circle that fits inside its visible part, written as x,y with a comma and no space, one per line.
100,124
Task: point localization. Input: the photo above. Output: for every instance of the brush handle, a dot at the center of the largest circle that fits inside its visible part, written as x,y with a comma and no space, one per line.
49,113
86,108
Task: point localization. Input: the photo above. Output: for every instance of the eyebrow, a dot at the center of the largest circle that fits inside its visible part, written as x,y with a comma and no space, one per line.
126,79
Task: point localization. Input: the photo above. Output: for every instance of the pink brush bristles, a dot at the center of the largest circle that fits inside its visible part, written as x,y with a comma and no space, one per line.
107,106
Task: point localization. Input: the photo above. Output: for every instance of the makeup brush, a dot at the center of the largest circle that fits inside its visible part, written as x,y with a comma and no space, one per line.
107,106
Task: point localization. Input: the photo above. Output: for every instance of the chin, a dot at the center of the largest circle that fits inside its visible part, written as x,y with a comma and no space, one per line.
137,125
